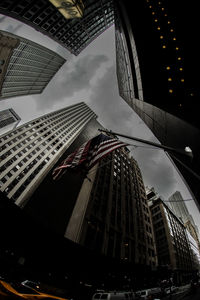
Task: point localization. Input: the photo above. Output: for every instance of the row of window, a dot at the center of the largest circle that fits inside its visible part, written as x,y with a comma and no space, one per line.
27,169
34,140
21,168
50,120
32,66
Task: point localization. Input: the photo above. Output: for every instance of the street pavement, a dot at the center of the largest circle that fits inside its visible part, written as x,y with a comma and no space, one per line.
184,293
192,296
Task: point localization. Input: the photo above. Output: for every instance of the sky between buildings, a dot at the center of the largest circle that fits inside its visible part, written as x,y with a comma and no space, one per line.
91,77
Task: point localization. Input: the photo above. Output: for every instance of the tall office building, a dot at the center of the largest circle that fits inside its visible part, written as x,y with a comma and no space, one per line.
42,206
25,67
8,120
150,72
176,249
74,34
31,150
111,215
158,44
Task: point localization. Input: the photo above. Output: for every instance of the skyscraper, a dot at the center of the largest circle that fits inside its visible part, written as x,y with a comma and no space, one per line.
8,120
74,34
111,215
160,53
25,67
150,72
31,150
179,207
53,201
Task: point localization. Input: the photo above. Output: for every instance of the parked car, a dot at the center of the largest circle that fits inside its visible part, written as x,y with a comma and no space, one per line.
153,292
173,289
114,296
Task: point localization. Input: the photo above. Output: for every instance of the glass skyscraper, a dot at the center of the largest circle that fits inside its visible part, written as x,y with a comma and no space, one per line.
31,150
179,207
150,73
25,67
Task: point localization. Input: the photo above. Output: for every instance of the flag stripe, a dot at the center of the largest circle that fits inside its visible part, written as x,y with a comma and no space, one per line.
104,153
104,147
88,154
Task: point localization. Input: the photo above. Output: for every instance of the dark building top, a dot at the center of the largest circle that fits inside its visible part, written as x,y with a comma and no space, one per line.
74,34
165,53
153,41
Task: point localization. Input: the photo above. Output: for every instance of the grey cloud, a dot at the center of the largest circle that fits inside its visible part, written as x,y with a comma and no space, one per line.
73,77
156,170
83,72
105,101
13,29
116,115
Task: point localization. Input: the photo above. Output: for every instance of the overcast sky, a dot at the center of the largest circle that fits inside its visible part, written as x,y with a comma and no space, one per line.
91,77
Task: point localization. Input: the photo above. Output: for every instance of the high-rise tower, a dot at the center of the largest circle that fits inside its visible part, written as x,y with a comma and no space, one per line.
31,150
111,215
150,69
179,207
25,67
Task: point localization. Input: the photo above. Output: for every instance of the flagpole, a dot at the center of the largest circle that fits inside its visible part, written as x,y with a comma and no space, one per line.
166,148
178,151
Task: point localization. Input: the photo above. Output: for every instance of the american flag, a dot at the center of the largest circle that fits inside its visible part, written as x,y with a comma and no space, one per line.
88,154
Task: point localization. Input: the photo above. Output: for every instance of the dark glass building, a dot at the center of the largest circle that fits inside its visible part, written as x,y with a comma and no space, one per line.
156,28
153,56
74,34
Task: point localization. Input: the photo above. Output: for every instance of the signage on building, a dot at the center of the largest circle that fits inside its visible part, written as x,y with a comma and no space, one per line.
69,8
